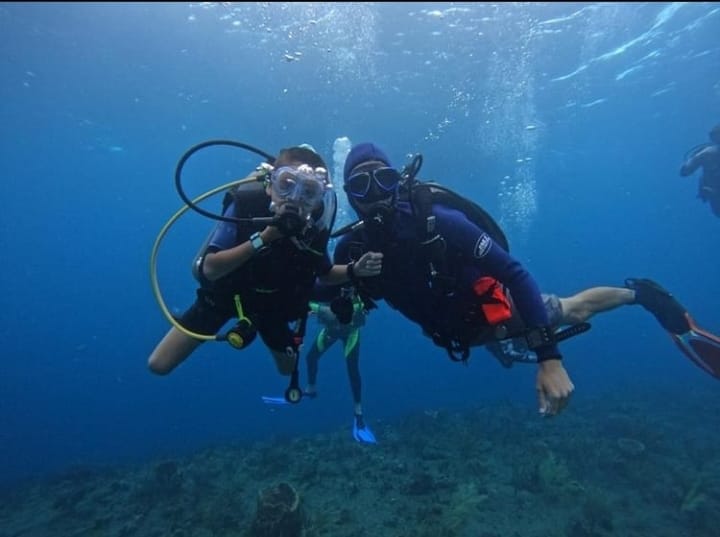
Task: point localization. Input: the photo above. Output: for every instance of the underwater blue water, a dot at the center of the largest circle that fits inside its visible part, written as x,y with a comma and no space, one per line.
568,122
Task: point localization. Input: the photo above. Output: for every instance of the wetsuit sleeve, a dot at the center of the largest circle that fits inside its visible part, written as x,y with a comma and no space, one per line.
225,235
492,260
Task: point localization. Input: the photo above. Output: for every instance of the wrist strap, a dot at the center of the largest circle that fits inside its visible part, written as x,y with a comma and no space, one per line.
545,357
539,337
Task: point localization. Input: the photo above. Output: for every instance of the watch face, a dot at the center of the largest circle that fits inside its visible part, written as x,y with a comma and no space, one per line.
256,241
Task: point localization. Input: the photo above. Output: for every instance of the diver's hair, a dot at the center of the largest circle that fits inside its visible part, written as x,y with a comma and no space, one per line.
291,155
714,134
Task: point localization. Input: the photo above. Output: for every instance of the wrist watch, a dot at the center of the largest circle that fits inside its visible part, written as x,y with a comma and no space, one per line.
257,243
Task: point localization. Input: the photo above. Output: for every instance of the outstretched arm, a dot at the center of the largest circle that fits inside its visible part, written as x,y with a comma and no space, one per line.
370,264
698,159
553,383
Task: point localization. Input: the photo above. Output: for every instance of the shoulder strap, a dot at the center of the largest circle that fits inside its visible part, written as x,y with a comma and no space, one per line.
424,194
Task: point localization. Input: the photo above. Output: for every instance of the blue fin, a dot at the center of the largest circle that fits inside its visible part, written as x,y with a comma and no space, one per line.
274,400
361,432
269,400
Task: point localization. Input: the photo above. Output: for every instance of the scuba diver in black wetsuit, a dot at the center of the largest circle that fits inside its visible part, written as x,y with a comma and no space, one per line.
707,156
263,278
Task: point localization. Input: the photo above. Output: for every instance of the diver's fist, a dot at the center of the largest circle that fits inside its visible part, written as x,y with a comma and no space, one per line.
370,264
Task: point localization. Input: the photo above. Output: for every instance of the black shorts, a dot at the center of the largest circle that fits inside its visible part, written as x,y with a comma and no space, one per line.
209,313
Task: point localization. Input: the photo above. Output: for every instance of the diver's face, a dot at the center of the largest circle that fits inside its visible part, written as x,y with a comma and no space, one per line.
298,186
372,185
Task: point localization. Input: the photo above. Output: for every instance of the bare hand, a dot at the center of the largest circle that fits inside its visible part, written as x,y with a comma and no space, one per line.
270,234
553,387
370,264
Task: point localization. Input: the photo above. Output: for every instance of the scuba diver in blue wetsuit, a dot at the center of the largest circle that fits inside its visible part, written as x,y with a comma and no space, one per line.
707,156
440,269
341,320
445,265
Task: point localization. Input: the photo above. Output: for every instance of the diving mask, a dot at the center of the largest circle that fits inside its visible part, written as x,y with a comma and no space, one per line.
303,184
372,184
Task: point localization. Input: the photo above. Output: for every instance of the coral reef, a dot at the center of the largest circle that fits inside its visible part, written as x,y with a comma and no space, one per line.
493,471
